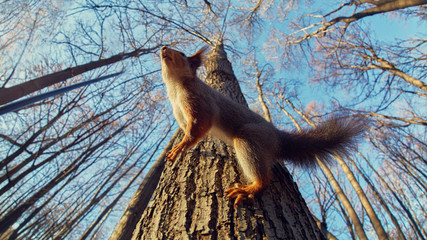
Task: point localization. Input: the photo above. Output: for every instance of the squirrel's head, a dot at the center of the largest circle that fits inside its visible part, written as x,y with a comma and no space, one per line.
175,64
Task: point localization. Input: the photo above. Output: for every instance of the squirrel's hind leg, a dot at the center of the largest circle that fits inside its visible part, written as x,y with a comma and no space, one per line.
245,192
253,155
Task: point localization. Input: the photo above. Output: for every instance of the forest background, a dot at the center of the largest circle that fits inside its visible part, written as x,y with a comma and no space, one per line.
70,163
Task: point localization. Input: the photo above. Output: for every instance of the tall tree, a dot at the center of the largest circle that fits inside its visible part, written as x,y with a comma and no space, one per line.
18,91
189,200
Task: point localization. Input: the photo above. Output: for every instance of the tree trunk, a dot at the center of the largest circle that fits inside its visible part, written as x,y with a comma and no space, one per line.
376,223
10,218
358,227
415,227
381,7
141,197
15,92
189,202
380,199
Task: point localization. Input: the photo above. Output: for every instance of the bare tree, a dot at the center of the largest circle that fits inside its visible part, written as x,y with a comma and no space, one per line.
15,92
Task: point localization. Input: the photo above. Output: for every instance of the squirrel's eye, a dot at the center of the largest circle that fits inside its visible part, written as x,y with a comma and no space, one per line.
182,54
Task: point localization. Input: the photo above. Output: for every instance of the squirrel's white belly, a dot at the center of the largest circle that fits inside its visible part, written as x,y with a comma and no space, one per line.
175,100
180,117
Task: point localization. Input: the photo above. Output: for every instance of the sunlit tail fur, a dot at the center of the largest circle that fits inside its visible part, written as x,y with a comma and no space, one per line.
336,135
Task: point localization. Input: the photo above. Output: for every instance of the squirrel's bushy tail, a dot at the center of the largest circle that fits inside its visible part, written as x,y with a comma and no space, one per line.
336,135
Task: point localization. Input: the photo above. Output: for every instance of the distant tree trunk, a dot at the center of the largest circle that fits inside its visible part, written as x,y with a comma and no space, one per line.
129,212
415,227
13,216
15,92
189,202
381,6
141,197
376,223
380,199
322,226
358,227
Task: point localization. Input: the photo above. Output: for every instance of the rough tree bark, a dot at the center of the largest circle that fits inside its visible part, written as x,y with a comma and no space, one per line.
189,202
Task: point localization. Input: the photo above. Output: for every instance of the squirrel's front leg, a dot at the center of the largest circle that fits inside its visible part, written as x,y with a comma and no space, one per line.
195,131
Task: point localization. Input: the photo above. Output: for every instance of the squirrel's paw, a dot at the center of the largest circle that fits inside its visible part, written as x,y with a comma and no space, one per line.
173,153
242,192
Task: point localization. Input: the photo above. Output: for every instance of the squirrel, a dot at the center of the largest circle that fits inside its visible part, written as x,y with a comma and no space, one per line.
200,111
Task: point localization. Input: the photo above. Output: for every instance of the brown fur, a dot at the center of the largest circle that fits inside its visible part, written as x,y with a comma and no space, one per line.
201,110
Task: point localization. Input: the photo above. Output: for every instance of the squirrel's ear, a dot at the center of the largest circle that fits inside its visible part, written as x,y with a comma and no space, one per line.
197,59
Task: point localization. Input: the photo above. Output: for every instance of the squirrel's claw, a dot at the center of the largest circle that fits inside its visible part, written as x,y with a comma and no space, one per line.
173,153
241,193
